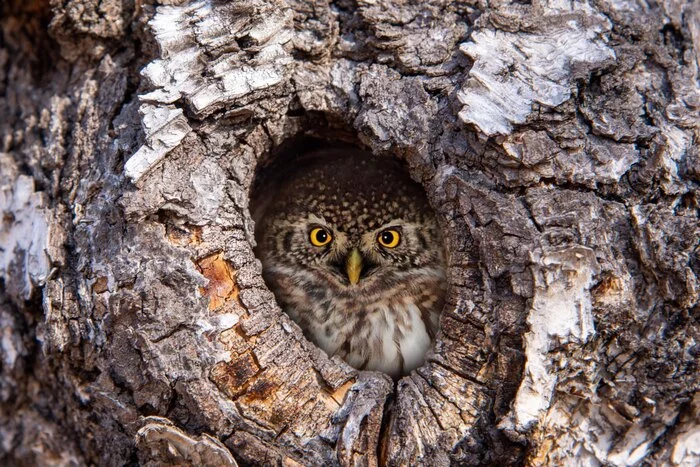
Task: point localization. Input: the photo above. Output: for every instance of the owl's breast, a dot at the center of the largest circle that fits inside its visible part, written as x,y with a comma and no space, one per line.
387,329
392,336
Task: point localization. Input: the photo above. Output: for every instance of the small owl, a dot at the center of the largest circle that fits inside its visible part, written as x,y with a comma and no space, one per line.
352,251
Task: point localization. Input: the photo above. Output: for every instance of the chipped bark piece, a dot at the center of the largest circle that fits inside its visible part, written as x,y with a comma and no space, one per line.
24,233
207,68
557,143
561,310
187,235
161,443
165,128
222,285
512,72
100,285
231,376
608,289
362,420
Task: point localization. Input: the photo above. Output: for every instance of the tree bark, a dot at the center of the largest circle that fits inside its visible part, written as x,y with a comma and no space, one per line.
557,142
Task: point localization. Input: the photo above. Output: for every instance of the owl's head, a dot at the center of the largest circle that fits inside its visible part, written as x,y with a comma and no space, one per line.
348,222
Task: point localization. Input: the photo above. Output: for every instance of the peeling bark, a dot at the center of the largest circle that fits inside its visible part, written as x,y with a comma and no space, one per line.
558,144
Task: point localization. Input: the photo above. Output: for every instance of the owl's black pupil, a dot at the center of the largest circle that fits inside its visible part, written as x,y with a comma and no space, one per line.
387,237
321,236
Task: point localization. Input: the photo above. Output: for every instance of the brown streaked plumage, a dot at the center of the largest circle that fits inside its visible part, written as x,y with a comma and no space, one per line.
352,251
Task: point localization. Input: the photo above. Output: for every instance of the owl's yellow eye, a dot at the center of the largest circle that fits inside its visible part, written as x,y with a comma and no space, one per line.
320,237
389,238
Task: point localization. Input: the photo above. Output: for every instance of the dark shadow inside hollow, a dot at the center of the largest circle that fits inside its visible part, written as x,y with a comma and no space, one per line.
353,253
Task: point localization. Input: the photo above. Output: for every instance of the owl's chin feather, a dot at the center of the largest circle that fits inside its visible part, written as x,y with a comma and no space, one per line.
378,281
338,268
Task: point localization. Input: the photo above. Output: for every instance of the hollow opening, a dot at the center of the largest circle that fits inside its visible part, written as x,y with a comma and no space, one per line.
352,251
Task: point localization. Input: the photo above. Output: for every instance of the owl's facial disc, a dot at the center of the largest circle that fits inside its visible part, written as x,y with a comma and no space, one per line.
359,260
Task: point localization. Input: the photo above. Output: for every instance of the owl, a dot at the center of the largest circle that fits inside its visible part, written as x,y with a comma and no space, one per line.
353,253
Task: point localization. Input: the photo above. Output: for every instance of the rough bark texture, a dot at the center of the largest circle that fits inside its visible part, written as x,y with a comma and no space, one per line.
558,142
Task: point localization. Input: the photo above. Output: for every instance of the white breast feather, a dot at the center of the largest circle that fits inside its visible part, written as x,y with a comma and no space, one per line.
415,343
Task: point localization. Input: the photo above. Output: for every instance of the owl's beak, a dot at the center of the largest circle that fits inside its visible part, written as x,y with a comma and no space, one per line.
353,266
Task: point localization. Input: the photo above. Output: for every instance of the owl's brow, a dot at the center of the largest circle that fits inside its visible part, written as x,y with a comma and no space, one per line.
390,225
320,220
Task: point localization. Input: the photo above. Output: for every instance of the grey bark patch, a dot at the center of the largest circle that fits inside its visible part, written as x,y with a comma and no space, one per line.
511,71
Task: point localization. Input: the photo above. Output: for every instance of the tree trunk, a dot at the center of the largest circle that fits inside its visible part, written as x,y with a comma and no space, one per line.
557,142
